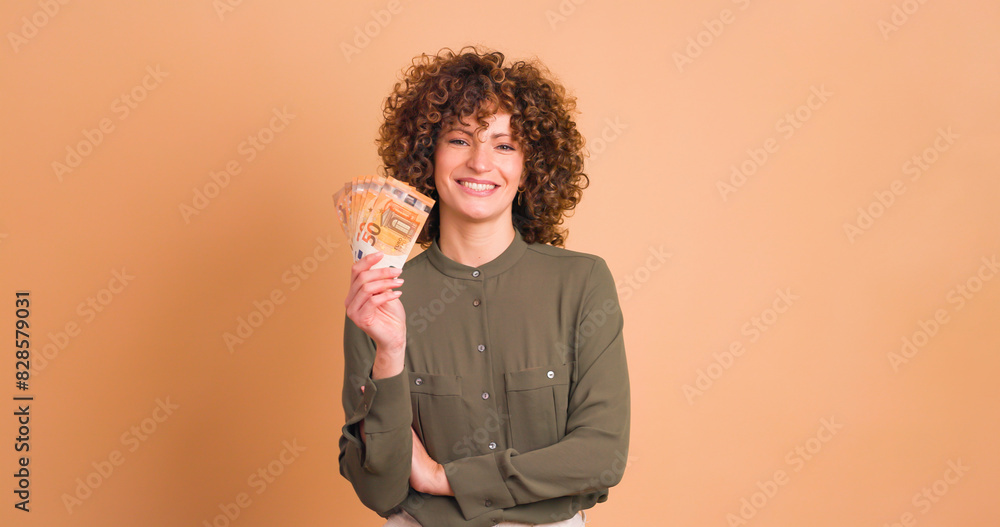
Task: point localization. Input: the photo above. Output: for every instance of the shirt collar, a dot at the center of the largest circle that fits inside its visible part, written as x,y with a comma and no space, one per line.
494,267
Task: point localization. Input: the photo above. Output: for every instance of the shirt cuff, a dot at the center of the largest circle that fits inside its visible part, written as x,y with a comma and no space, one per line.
384,405
478,485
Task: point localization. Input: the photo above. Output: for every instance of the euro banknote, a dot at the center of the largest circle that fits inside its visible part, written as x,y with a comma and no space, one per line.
381,214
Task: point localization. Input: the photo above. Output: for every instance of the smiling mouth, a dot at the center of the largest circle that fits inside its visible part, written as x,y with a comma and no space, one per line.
478,186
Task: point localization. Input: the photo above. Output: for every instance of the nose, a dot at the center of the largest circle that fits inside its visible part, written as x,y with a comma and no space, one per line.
480,158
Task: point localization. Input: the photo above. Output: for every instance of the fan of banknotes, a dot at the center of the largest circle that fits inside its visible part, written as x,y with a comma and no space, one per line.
381,214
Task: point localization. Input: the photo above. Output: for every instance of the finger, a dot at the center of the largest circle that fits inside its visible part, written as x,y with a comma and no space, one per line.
381,273
418,447
367,314
365,263
381,304
380,286
370,290
378,301
364,277
414,465
370,285
364,306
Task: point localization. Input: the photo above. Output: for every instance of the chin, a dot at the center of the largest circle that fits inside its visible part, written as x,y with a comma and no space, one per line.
478,216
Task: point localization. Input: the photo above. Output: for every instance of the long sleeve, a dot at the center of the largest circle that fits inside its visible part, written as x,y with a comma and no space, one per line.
379,466
593,453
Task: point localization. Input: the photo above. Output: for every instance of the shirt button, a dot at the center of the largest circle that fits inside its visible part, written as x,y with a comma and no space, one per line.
486,396
493,445
488,502
419,381
476,302
550,374
481,347
475,274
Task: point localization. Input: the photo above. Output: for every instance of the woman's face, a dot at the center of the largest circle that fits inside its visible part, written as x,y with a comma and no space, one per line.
477,174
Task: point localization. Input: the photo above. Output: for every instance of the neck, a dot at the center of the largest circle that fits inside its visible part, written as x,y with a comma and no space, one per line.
474,244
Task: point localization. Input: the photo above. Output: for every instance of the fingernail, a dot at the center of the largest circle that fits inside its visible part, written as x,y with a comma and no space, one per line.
397,280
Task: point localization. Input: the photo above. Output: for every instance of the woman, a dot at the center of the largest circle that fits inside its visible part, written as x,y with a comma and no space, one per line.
491,387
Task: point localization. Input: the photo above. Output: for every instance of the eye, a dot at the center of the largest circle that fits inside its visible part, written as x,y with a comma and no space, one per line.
457,142
507,147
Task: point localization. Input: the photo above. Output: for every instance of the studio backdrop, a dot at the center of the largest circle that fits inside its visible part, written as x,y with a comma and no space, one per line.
798,202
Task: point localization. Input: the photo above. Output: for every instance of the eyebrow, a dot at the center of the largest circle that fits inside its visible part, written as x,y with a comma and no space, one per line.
469,133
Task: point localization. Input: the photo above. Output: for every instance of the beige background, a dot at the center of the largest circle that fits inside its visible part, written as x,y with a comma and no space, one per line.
897,79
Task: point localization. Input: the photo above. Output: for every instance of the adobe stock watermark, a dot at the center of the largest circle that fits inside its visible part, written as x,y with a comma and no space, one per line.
122,107
133,438
562,12
293,278
957,296
30,25
640,276
248,149
610,133
595,320
900,15
370,30
87,310
424,315
478,441
224,7
795,459
607,478
714,28
610,308
925,499
787,126
753,330
259,481
915,167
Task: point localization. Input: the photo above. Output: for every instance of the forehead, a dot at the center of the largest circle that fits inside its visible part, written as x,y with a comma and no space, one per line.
498,120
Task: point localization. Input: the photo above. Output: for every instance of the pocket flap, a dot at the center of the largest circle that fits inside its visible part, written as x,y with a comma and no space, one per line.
540,377
435,384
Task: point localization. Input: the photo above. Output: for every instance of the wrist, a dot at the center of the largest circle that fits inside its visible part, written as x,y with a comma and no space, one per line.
388,361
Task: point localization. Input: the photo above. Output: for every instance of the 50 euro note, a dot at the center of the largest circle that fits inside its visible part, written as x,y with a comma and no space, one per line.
392,224
371,188
342,204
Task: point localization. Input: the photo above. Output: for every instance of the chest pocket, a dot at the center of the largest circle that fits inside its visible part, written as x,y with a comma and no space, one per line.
436,401
538,399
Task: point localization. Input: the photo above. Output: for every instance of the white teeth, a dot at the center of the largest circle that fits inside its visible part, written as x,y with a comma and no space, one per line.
478,186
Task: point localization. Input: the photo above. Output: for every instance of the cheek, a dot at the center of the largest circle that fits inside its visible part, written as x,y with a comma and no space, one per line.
439,168
444,162
514,170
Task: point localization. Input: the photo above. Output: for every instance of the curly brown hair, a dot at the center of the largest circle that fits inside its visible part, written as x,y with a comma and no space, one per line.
438,88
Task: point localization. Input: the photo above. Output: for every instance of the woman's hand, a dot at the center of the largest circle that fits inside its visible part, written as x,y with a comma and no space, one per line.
375,308
427,475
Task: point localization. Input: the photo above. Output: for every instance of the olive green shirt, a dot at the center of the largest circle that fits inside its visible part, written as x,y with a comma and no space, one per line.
515,380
